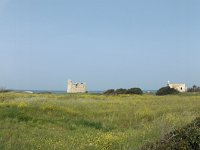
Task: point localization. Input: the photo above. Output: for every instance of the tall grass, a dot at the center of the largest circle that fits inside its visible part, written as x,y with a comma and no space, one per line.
89,121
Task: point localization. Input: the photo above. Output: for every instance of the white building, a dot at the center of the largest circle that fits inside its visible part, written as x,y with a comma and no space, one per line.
181,87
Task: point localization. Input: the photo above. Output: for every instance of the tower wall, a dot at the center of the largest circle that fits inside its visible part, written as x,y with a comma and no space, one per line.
75,87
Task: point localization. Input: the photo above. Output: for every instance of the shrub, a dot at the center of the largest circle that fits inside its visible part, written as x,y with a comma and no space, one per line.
2,90
166,91
187,137
110,91
124,91
120,91
134,91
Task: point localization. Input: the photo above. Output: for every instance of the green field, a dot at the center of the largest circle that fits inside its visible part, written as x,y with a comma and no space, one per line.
89,121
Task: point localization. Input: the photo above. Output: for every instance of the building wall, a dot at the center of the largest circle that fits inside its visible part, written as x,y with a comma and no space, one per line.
178,87
75,87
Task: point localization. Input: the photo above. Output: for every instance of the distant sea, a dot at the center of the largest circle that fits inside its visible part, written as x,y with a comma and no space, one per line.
63,92
53,91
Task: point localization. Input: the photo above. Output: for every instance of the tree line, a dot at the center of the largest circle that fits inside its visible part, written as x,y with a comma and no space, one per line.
162,91
194,88
137,91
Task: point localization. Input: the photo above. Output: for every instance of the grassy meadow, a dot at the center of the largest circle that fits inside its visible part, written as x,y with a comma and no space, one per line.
89,121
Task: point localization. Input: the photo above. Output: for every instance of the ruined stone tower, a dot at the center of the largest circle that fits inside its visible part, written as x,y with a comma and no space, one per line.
75,87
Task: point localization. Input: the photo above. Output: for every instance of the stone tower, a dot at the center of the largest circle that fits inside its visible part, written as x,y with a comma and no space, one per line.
75,87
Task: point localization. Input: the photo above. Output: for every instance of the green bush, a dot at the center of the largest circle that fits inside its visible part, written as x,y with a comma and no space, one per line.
110,91
120,91
186,138
134,91
166,91
2,90
124,91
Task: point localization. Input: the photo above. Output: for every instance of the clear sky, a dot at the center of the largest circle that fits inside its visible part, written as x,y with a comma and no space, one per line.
105,43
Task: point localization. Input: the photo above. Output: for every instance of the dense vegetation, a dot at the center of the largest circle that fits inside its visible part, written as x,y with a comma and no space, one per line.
194,89
187,138
3,90
166,91
91,122
137,91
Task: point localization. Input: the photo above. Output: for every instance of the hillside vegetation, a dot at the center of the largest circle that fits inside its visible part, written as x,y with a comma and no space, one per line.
91,122
187,137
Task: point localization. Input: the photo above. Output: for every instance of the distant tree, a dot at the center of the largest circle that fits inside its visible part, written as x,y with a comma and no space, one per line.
110,91
3,90
166,91
194,88
121,91
134,91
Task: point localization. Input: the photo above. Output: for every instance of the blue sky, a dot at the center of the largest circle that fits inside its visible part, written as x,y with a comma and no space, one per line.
105,43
